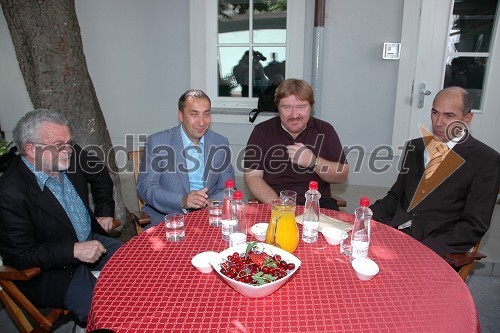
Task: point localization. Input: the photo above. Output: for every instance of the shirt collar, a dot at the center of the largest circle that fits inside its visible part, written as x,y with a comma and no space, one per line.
41,177
186,142
456,140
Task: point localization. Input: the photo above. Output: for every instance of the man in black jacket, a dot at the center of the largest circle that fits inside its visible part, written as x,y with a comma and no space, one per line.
449,210
45,217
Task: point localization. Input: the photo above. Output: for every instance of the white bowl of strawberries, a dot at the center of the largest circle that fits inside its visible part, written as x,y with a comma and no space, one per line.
255,269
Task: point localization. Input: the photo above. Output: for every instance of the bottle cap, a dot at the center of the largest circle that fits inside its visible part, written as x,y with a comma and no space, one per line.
229,183
238,195
313,185
364,201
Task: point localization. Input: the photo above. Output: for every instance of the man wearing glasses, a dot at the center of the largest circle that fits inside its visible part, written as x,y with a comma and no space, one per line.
289,151
45,217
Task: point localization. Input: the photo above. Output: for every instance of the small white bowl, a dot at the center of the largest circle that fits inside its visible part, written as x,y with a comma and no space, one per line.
202,261
332,235
259,231
365,268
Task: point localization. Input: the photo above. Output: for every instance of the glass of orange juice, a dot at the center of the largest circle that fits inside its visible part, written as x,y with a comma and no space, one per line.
282,231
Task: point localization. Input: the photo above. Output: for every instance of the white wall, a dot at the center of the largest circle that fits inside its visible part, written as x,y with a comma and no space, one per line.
359,87
138,57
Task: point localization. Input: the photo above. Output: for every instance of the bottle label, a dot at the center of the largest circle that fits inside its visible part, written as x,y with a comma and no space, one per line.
310,228
359,249
237,238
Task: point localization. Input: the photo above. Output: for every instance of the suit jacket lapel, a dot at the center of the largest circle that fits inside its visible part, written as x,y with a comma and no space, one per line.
45,200
180,159
208,176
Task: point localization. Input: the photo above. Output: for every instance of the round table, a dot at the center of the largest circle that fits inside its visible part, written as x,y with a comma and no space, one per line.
150,286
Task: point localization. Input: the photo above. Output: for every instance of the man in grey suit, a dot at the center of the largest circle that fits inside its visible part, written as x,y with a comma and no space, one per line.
185,166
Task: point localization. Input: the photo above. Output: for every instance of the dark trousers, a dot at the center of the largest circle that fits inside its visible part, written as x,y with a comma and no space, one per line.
79,294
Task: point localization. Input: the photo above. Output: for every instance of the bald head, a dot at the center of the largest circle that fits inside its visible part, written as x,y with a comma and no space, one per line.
457,94
451,113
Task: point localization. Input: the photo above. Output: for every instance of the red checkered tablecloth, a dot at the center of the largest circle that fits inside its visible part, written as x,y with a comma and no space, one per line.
150,286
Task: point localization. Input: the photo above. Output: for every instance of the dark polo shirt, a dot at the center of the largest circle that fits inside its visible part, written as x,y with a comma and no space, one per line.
266,150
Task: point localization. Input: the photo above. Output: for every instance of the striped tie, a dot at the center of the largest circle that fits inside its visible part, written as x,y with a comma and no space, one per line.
436,158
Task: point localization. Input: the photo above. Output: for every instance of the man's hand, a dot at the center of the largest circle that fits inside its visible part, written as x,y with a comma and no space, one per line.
195,199
89,251
105,222
301,155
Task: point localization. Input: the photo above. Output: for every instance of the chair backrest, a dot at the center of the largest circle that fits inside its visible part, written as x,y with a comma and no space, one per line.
135,156
141,219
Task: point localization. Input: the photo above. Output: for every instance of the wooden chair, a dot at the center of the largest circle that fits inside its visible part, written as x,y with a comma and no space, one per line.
141,219
19,307
464,262
25,315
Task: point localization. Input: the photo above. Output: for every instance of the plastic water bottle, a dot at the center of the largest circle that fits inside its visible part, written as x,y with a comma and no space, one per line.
238,210
360,239
310,223
227,219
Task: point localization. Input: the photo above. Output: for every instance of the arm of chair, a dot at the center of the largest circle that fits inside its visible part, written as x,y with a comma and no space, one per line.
12,274
141,218
458,260
116,224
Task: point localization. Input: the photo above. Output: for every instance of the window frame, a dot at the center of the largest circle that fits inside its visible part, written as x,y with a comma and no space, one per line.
203,51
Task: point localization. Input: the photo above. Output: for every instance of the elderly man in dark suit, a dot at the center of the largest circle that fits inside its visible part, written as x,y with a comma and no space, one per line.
45,216
185,166
444,201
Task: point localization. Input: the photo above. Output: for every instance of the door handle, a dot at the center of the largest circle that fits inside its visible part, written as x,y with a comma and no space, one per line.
422,92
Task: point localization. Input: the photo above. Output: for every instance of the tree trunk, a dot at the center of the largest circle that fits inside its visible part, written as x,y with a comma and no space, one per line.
49,49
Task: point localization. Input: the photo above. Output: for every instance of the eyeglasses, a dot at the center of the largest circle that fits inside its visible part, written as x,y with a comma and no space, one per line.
58,146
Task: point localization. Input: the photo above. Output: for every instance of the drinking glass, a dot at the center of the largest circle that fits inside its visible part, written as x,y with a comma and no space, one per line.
345,242
176,230
288,195
214,213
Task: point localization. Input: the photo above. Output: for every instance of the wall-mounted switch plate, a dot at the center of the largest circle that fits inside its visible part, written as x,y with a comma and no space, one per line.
391,51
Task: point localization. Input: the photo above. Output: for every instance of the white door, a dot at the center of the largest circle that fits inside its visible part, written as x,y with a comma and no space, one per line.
426,53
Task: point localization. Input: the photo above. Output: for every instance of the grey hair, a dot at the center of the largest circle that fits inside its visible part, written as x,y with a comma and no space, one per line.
27,128
192,94
467,102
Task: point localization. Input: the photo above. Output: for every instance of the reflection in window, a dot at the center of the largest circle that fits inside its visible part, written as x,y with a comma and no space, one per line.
251,46
469,45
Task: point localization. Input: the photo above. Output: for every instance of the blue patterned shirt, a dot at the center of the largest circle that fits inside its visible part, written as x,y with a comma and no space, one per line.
65,193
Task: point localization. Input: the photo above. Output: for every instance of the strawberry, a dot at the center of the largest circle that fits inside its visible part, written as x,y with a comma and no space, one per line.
258,259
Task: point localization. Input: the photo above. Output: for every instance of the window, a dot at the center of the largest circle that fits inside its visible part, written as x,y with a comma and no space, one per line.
469,46
227,35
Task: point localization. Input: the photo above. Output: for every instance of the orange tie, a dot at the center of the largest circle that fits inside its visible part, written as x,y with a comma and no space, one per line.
436,158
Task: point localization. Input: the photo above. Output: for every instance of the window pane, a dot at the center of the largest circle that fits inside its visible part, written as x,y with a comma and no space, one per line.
275,61
233,22
269,22
229,57
472,25
468,73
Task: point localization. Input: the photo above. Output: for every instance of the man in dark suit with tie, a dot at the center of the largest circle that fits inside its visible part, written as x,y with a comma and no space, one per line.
45,217
185,166
447,206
